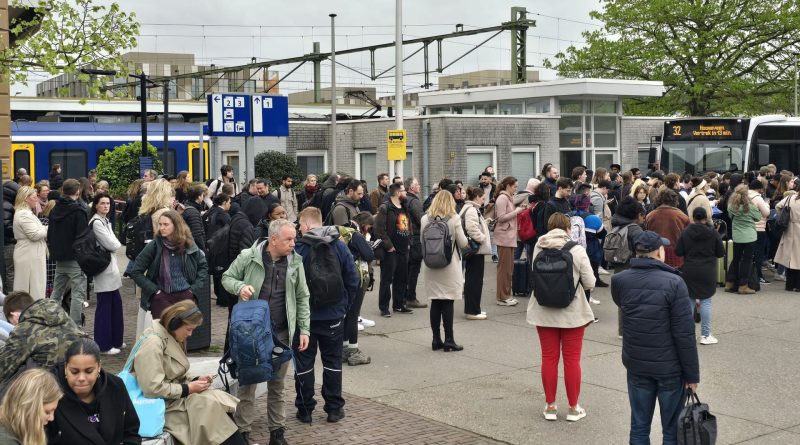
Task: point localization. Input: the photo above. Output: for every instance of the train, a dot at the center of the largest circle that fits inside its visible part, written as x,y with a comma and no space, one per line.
77,146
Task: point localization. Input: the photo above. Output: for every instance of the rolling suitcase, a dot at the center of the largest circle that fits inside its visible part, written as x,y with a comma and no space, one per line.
520,279
724,262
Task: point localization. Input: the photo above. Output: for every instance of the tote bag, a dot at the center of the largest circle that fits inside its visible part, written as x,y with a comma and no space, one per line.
151,412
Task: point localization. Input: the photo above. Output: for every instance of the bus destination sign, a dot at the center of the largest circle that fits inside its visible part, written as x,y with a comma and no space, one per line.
704,130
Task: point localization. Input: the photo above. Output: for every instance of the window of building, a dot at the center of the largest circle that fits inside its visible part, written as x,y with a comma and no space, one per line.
571,106
537,106
73,162
570,131
198,86
569,159
604,158
172,89
642,157
408,164
477,160
486,108
510,108
589,124
524,164
232,158
311,162
366,166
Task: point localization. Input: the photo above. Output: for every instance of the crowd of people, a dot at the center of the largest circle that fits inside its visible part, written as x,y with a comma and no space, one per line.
310,252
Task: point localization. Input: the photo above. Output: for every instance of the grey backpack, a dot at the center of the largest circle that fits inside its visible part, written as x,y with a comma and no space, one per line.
437,244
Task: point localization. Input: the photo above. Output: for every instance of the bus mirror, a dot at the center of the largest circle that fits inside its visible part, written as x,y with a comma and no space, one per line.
652,157
763,154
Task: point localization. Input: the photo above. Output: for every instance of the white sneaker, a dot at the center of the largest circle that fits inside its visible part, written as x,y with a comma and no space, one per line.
602,271
709,340
576,414
366,323
476,317
550,412
85,304
360,327
780,277
508,302
482,312
594,300
112,351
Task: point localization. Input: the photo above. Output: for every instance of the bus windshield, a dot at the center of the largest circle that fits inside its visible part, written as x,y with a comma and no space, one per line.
696,157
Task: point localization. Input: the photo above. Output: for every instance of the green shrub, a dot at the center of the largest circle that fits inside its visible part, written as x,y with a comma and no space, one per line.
272,165
120,166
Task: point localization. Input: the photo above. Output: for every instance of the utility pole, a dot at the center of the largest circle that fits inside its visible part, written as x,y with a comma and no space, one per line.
398,80
165,149
795,82
333,92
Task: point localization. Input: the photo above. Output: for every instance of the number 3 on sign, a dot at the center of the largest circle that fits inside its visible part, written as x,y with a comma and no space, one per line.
676,130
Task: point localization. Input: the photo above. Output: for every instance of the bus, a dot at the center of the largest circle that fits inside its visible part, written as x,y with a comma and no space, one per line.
699,145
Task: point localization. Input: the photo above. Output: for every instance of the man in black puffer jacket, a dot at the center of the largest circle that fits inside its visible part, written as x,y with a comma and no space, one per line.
658,343
192,215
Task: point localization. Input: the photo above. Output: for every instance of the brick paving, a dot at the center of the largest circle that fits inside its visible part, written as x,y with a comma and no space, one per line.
367,421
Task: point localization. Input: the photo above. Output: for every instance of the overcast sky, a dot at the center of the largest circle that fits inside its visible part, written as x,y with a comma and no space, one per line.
230,32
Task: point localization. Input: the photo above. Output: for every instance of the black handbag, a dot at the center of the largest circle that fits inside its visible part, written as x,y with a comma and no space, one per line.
90,255
696,424
472,245
784,218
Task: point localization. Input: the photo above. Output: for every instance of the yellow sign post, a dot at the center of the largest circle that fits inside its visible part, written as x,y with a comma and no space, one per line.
396,140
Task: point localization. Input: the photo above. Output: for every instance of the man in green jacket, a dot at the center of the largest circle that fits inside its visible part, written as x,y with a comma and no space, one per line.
272,271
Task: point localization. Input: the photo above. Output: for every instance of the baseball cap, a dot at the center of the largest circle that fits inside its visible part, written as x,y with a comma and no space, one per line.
649,241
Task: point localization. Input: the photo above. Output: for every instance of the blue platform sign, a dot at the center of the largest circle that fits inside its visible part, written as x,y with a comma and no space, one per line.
229,115
270,115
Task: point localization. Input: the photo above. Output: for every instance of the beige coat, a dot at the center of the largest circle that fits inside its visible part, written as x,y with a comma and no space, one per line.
763,207
476,227
788,253
160,367
446,283
578,313
30,253
698,199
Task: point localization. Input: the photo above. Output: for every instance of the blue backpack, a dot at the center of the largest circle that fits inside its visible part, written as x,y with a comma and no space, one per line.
255,352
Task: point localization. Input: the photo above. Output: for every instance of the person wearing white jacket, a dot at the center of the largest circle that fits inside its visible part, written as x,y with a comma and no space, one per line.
108,321
31,248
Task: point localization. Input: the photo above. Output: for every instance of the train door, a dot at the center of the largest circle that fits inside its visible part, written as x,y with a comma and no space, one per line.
198,161
22,157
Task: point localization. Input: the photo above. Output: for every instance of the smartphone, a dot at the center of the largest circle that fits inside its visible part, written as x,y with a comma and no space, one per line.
213,377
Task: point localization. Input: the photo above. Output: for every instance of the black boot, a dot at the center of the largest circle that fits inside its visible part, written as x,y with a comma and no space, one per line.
450,345
276,437
437,342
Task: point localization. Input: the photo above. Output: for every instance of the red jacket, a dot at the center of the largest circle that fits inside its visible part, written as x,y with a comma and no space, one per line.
668,222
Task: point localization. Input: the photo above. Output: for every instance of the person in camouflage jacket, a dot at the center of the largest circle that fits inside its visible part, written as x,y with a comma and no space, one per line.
42,334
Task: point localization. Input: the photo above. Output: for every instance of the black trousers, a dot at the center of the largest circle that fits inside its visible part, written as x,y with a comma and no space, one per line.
394,271
326,335
742,264
760,253
414,267
224,298
473,284
442,314
792,279
351,319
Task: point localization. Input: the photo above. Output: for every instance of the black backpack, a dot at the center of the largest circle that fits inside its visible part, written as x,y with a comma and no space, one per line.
90,255
552,277
217,251
138,231
323,272
208,220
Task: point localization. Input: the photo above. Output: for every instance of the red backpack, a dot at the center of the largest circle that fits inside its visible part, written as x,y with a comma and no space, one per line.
526,229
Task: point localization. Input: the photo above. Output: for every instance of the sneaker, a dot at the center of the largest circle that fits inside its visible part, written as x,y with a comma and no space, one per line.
404,310
594,300
602,271
335,415
550,412
416,304
303,416
360,327
576,414
507,302
357,357
780,277
346,351
482,312
494,258
708,340
595,320
386,313
476,317
366,323
763,280
85,304
112,351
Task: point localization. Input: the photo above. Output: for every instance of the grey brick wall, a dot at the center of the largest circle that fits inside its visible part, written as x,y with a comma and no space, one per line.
636,131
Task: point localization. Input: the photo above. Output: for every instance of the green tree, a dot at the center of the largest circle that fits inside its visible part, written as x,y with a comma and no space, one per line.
63,36
715,57
272,165
120,166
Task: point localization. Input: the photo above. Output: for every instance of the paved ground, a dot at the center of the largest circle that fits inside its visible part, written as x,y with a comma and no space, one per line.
491,392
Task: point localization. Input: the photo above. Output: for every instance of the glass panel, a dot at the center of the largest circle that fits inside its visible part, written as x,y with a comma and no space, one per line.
438,110
512,108
570,131
309,164
476,163
486,109
368,172
642,156
232,159
170,166
537,106
197,165
604,107
698,157
73,162
523,166
408,165
22,159
571,106
604,158
468,110
570,159
458,110
588,122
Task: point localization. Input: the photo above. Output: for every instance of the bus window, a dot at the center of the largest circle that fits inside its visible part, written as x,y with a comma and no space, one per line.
73,162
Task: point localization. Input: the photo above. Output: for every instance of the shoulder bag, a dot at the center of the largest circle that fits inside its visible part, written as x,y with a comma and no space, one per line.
151,412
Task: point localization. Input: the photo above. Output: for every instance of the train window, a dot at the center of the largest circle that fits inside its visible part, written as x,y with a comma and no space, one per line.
22,159
73,162
171,167
197,165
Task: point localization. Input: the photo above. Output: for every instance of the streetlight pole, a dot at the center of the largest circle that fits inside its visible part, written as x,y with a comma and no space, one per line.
795,83
143,101
333,93
398,79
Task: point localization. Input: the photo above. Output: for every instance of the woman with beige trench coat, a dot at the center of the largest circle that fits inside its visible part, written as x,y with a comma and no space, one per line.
30,252
444,285
196,414
788,254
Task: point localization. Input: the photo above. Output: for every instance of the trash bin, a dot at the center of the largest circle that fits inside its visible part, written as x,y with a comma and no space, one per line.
201,337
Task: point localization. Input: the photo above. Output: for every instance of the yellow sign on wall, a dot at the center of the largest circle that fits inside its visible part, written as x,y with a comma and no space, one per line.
396,140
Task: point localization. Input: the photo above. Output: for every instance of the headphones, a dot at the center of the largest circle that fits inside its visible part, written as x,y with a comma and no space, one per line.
177,322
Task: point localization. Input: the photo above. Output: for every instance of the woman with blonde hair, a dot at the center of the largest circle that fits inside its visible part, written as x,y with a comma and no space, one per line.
445,284
744,214
698,199
30,251
171,268
159,198
640,192
196,413
29,404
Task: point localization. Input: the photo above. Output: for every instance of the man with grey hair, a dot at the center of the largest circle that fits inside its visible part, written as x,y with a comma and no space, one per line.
149,175
414,205
272,271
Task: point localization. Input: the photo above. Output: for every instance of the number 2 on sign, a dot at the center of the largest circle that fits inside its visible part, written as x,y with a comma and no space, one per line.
676,130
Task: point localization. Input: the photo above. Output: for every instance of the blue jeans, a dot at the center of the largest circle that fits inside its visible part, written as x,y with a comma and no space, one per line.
705,317
642,394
